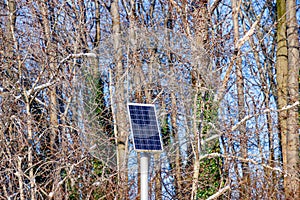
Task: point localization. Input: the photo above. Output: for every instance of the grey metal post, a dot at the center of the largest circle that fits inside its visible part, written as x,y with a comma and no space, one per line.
144,176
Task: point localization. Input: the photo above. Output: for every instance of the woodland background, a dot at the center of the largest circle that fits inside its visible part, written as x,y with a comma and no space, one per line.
223,74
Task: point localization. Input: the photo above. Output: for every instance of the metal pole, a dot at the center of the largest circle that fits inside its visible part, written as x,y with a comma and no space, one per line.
144,176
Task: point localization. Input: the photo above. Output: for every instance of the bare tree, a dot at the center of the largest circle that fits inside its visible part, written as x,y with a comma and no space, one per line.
68,68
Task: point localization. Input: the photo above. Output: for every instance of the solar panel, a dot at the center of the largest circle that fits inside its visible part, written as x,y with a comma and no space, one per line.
144,127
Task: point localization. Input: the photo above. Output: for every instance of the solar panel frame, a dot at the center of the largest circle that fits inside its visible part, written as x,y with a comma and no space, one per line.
141,123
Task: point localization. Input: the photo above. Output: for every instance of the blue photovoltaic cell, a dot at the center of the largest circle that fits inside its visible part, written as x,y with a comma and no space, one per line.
144,127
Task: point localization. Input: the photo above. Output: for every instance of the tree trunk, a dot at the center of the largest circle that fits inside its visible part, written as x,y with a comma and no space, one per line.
30,150
195,147
281,78
240,96
292,190
53,106
169,24
119,100
200,21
